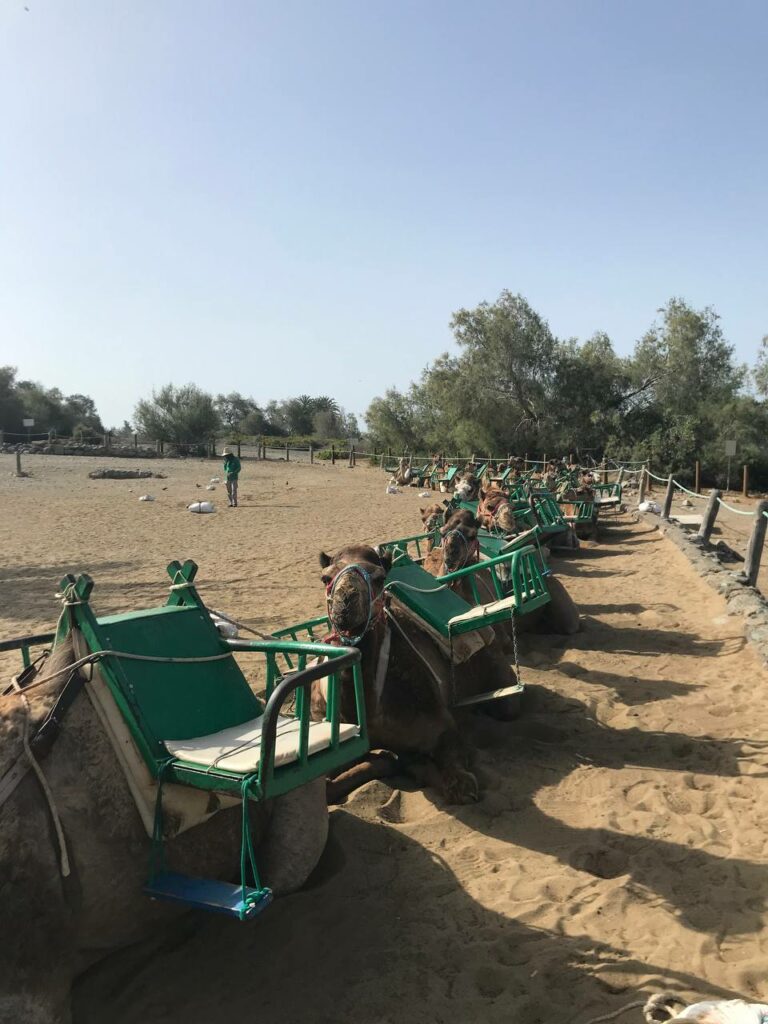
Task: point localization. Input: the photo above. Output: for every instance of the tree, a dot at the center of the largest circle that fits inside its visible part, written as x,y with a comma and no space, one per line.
183,415
512,352
760,372
11,407
391,421
233,409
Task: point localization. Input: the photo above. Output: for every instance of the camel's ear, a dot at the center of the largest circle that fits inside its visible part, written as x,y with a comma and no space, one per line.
421,510
385,558
325,560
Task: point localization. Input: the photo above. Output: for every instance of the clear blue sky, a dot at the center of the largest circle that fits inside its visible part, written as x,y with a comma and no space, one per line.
294,196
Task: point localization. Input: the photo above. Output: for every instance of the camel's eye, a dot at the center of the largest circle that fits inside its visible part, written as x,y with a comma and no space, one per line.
328,577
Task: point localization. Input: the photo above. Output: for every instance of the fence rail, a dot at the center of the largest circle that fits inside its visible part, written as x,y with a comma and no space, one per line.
715,502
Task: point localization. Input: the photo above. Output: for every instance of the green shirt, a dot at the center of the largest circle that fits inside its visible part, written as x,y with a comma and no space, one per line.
231,465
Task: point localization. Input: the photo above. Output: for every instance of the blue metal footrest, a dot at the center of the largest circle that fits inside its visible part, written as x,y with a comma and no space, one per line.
208,894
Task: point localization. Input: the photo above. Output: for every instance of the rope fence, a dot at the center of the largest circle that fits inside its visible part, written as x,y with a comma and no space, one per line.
759,516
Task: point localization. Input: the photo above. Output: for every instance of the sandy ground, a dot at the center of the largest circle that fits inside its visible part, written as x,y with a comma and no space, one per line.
620,844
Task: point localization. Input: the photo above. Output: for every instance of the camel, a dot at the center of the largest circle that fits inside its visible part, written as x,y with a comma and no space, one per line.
573,493
467,486
460,547
495,511
432,517
406,680
404,473
61,923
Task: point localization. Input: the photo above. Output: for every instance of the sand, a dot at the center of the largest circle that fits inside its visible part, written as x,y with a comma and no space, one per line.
620,845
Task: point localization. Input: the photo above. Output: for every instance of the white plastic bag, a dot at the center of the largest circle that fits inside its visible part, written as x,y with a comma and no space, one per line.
201,506
649,506
146,497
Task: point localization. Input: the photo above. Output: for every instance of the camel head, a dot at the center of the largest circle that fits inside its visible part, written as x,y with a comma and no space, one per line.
467,488
459,546
432,516
495,506
354,579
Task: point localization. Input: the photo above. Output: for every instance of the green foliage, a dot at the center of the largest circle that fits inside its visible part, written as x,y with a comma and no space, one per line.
515,387
760,372
181,415
48,407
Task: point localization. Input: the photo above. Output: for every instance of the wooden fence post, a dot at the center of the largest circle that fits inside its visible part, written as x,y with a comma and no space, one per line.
238,449
697,477
18,463
745,482
136,442
333,454
352,457
287,453
668,498
756,543
641,489
311,453
381,464
710,514
649,478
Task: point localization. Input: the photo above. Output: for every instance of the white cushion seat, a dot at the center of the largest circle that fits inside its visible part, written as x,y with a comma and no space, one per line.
238,748
481,611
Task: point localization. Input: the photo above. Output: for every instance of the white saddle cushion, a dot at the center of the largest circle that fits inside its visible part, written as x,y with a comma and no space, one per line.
238,749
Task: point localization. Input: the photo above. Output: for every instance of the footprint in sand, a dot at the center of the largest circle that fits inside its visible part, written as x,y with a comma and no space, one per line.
600,861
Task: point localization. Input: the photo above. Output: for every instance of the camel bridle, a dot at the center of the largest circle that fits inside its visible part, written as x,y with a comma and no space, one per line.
376,605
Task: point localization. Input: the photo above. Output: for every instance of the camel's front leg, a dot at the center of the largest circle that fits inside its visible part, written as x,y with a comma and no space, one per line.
377,764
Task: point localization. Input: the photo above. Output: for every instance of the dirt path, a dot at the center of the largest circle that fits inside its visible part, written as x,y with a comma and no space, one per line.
620,842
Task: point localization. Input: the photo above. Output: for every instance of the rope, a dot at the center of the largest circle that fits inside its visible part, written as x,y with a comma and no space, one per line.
736,511
639,1004
47,792
241,625
693,494
415,650
350,641
98,655
661,479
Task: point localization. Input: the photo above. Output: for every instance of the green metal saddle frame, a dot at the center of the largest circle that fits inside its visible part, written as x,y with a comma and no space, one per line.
431,599
446,478
585,513
182,696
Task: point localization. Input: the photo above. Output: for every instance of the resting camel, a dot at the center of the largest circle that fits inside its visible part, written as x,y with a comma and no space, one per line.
495,511
407,682
460,547
404,473
58,926
467,486
432,517
582,491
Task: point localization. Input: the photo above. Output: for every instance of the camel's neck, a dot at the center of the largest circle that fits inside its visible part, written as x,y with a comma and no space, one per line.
370,648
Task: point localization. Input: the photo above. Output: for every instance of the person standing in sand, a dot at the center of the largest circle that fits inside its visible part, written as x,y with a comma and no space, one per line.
232,471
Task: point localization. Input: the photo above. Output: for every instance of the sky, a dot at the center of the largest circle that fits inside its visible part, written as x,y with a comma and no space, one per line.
293,197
